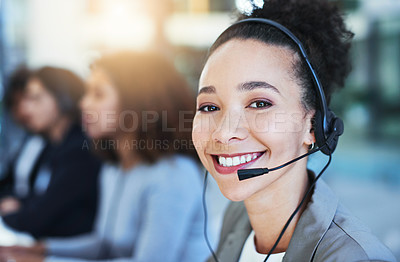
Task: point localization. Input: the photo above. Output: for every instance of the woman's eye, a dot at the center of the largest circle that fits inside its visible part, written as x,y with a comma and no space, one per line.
208,108
260,104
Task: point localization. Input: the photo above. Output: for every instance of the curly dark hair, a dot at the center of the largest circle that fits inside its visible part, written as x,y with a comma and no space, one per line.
16,85
318,24
66,87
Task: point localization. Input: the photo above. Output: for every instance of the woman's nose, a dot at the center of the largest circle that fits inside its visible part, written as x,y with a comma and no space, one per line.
232,126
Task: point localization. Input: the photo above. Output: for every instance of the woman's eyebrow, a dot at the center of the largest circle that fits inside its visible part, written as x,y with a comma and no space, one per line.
207,90
248,86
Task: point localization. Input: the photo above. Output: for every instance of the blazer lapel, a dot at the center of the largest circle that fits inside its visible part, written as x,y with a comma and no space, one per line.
313,224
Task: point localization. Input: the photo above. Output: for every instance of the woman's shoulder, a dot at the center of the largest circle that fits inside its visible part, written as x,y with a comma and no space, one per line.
174,179
173,173
175,167
348,239
326,231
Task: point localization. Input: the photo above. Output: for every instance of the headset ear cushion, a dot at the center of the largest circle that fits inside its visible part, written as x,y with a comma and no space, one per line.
336,129
319,129
331,137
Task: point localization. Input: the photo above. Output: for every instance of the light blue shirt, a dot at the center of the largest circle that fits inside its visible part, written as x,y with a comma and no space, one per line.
149,213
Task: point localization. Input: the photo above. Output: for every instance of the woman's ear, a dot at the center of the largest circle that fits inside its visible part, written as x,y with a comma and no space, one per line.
309,135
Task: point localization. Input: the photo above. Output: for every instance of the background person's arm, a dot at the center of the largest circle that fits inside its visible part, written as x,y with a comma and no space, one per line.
65,196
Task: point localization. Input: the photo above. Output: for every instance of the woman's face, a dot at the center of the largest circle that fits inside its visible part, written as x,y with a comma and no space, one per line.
100,106
17,110
250,115
39,107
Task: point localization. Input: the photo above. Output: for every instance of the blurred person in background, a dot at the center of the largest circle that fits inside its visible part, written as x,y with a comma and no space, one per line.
63,199
150,207
14,181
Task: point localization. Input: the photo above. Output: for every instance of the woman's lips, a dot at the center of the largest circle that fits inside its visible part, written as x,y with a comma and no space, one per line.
228,164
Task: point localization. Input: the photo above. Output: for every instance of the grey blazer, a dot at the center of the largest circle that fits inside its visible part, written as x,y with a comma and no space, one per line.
325,232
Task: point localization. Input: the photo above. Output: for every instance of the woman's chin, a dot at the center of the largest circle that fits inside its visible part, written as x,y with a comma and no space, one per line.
236,193
94,133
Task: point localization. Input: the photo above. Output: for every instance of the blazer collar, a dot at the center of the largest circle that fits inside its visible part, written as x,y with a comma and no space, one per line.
313,223
310,229
237,235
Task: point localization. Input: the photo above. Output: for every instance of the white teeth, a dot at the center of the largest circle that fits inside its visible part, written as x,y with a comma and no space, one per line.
222,161
237,160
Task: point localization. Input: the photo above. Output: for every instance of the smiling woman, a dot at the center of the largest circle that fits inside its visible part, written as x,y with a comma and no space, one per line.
261,103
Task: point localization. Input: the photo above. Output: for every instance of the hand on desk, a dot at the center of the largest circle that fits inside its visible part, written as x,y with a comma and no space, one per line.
23,254
9,205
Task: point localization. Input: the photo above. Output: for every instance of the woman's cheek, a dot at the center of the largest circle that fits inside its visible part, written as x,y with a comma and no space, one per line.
109,120
200,134
274,123
92,124
258,122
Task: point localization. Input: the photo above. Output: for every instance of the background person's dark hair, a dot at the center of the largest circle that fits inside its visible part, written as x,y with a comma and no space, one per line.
65,86
148,82
318,24
16,86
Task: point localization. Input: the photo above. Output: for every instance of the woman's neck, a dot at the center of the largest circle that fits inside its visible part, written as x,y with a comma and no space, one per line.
270,208
58,130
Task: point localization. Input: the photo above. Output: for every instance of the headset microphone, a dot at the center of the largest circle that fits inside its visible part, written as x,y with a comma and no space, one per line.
254,172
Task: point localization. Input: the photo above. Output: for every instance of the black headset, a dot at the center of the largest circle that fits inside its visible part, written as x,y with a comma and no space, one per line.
327,126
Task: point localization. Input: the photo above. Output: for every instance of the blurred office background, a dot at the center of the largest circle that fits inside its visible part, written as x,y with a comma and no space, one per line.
365,172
